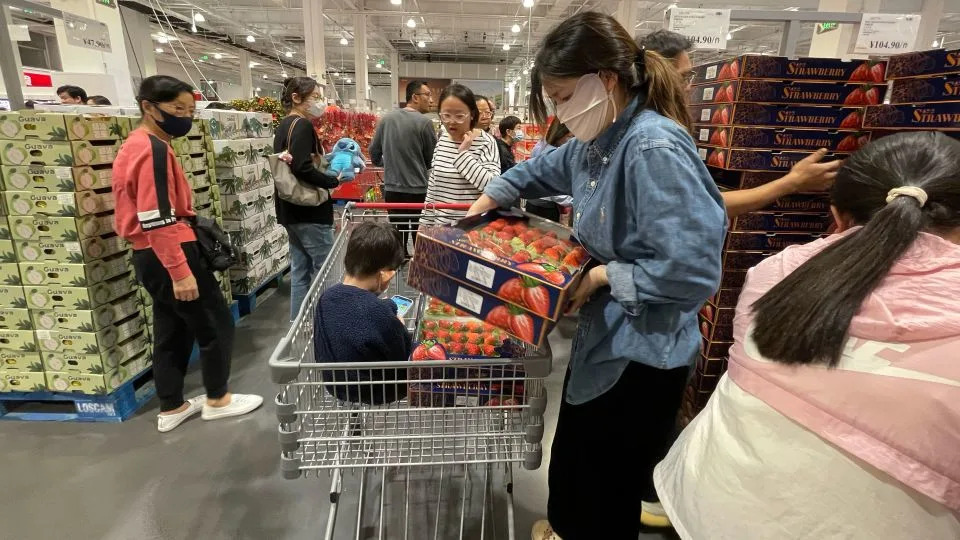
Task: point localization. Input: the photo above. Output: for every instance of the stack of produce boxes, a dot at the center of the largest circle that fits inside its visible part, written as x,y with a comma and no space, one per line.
70,314
925,95
754,118
241,143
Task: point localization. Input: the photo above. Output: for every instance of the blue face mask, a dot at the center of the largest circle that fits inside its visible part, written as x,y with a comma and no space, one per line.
172,125
518,135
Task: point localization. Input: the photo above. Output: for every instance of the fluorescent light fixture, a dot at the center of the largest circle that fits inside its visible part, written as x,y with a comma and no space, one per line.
336,73
199,17
289,54
421,44
348,80
253,64
515,28
264,75
283,74
528,3
396,2
729,36
158,50
411,23
251,39
935,44
506,46
217,56
193,28
162,39
343,41
257,89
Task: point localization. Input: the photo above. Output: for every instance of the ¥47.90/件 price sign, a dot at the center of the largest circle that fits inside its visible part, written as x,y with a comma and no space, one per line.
706,28
887,33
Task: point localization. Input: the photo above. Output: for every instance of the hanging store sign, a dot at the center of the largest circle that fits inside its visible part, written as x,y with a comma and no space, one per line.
43,80
86,33
706,28
887,33
824,27
19,32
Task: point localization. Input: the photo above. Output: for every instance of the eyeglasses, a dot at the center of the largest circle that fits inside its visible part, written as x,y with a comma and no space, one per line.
689,76
178,110
458,118
486,114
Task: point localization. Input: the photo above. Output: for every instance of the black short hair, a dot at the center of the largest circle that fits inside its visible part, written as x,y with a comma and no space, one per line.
508,123
373,246
161,89
668,44
414,86
301,86
220,106
465,95
98,100
73,91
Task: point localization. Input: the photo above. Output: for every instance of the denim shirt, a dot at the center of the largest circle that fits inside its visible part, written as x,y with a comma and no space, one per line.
645,205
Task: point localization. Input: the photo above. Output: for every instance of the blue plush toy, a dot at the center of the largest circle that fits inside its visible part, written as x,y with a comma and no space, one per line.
345,158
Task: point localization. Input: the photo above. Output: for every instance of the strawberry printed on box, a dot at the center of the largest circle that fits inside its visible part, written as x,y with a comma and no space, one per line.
811,93
780,139
756,160
781,67
460,335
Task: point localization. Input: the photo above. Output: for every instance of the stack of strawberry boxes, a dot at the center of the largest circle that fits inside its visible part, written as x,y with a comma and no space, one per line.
754,118
925,95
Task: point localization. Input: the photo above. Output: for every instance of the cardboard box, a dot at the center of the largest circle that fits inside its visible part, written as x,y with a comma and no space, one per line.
934,62
97,384
13,296
29,203
781,67
925,116
58,154
10,274
91,320
81,364
811,93
743,260
757,160
22,381
62,341
24,361
66,229
802,202
725,298
717,92
75,275
246,280
7,253
55,179
86,250
246,230
233,153
715,332
762,241
82,298
926,90
785,222
715,349
243,205
780,138
15,319
18,340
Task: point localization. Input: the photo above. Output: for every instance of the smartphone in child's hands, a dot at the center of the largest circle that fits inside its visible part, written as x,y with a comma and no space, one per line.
403,305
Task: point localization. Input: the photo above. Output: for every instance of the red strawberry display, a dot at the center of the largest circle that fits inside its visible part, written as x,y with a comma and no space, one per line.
734,69
521,257
499,316
576,258
862,73
715,137
724,116
716,118
429,350
514,320
724,73
852,120
535,297
857,97
877,72
546,271
848,144
872,95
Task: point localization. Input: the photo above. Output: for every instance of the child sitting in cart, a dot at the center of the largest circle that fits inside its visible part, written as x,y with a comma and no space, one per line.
353,324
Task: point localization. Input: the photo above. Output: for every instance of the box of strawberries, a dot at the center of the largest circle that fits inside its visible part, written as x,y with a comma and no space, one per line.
782,67
510,269
756,160
780,138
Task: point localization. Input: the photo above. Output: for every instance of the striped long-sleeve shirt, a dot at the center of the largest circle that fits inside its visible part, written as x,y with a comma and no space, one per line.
460,177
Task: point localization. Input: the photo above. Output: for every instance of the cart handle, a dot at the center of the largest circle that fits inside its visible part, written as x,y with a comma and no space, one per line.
408,206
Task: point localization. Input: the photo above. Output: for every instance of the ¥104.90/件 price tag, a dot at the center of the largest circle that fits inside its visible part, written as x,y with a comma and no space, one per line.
706,28
887,33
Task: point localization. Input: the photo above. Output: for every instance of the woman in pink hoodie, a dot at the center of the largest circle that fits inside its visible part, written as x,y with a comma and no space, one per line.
839,416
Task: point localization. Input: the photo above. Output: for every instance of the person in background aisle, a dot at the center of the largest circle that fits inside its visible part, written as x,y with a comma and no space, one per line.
403,145
550,207
838,416
369,331
485,122
72,95
809,174
509,135
98,100
650,215
310,227
465,159
153,208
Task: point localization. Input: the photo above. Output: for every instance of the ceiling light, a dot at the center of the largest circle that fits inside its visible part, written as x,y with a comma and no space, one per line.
729,36
396,2
526,72
289,54
199,17
158,50
411,23
421,44
348,81
162,39
251,39
193,28
343,41
506,46
935,44
528,3
264,75
253,64
257,89
217,56
283,74
515,28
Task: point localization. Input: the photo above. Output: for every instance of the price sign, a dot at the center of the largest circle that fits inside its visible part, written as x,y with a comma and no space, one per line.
706,28
87,33
887,33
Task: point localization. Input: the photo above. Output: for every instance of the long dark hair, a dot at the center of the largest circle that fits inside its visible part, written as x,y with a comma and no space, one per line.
592,42
465,95
804,319
161,89
301,86
556,132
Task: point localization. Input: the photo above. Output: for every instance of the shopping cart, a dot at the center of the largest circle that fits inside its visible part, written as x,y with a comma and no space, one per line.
407,444
366,186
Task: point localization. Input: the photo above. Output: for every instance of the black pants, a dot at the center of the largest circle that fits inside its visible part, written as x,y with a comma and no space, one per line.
604,452
177,324
545,210
406,221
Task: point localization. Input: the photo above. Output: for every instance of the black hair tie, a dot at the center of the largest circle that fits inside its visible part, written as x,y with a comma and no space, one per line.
641,57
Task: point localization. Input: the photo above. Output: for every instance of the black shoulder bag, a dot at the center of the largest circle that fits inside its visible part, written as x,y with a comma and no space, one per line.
214,244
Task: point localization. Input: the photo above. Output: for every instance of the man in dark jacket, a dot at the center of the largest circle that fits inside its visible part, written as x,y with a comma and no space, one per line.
510,133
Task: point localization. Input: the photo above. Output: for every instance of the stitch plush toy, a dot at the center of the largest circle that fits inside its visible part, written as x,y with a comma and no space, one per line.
345,158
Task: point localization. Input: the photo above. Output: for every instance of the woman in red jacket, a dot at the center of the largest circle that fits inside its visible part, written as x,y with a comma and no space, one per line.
153,203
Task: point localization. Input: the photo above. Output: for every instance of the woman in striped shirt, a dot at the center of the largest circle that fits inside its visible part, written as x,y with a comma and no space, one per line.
465,158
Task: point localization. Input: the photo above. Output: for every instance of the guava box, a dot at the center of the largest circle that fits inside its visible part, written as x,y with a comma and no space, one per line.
247,229
204,196
13,296
780,138
20,360
781,67
926,90
199,179
233,180
71,341
81,298
244,280
10,274
56,179
244,205
191,145
17,340
7,252
97,384
59,127
58,154
85,250
91,320
771,115
923,116
15,318
74,274
234,153
66,229
96,362
71,204
764,241
934,62
757,160
12,380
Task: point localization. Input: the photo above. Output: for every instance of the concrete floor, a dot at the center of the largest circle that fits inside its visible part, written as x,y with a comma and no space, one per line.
221,480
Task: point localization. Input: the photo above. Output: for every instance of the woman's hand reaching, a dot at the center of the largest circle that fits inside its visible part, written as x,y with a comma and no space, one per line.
482,205
595,278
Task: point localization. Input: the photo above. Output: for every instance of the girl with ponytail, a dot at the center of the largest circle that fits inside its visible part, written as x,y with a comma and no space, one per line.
650,215
839,416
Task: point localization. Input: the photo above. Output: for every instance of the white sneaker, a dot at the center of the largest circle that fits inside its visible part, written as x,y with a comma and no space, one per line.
543,531
167,422
239,404
652,514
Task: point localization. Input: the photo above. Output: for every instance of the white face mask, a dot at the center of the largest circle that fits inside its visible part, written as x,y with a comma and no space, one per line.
315,109
585,113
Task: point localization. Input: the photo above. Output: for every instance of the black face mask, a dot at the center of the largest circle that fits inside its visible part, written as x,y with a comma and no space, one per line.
174,126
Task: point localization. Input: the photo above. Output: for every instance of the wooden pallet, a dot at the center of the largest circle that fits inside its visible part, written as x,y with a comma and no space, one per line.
248,302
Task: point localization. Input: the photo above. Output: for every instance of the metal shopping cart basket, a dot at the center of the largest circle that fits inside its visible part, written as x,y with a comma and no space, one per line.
419,451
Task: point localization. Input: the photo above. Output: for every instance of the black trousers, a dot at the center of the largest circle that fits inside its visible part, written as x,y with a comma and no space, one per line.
549,211
176,325
605,450
406,221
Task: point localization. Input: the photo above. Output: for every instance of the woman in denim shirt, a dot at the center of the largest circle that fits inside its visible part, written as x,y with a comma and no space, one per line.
648,212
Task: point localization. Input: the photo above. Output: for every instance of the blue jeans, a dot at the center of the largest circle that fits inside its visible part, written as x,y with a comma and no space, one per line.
310,244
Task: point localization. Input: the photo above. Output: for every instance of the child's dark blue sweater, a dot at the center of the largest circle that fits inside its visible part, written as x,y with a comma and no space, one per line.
354,325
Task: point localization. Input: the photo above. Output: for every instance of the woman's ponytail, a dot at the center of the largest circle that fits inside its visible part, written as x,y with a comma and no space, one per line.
664,87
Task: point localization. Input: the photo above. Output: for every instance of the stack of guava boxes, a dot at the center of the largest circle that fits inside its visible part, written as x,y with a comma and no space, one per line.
241,143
